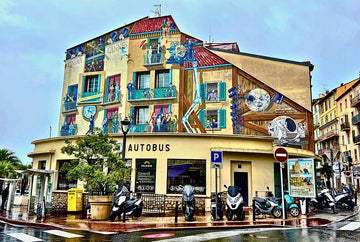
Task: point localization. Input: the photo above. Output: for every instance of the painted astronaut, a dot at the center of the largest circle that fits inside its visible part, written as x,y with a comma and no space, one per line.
286,129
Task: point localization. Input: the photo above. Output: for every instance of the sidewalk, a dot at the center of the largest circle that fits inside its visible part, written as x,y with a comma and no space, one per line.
19,215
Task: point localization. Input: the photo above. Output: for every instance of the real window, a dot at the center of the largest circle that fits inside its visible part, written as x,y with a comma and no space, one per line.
91,84
63,182
186,171
42,165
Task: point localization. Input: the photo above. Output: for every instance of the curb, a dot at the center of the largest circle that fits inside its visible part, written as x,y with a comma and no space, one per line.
31,224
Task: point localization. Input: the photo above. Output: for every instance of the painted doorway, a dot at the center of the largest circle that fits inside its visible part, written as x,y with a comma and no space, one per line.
241,180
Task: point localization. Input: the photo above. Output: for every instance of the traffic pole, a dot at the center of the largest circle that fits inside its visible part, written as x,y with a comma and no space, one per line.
282,189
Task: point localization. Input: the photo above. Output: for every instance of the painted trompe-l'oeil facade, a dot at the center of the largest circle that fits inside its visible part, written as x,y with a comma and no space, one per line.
151,72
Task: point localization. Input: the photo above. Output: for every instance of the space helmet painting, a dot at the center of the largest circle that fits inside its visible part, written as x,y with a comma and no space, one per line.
286,129
258,100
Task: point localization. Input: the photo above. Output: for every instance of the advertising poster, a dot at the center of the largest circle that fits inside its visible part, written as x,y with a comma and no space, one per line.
301,174
145,175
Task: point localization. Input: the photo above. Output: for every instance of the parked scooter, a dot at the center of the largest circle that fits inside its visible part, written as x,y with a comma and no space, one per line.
234,203
121,204
220,207
268,206
344,199
188,202
291,206
323,200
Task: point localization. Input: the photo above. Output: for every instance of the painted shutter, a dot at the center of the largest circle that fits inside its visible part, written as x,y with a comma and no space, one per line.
171,76
222,91
99,82
170,108
84,84
222,118
134,79
132,115
107,89
202,92
202,117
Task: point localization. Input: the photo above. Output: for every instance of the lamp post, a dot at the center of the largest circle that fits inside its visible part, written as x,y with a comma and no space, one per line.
125,127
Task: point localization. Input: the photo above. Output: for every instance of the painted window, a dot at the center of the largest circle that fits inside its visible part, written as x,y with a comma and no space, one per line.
141,115
71,98
91,84
113,88
111,121
69,127
142,80
213,91
345,103
162,78
186,171
213,118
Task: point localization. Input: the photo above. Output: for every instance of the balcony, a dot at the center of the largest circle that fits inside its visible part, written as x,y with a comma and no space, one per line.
68,130
155,60
149,128
69,106
356,119
328,135
89,97
355,101
345,126
152,94
328,123
335,147
356,140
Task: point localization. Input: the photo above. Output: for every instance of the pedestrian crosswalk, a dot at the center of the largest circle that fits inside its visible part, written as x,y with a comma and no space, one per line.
351,226
28,238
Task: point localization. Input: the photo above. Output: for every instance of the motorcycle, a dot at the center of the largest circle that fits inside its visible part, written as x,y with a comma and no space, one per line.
323,200
291,206
220,207
188,202
268,206
122,204
234,203
344,199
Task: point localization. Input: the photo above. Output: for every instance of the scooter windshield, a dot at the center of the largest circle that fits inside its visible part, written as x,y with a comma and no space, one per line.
188,190
233,191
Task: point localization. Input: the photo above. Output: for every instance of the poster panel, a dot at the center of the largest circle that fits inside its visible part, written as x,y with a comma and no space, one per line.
301,177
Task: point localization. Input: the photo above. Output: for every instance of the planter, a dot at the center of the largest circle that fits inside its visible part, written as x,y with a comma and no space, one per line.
100,207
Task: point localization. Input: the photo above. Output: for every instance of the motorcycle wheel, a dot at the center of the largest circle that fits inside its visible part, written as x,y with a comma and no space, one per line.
241,215
137,212
220,214
229,215
188,217
311,206
113,216
294,211
257,211
277,213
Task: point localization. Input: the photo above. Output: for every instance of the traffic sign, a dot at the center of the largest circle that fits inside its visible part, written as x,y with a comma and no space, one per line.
281,155
216,159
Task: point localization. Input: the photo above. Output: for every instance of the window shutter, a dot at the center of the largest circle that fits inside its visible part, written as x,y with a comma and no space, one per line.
222,91
107,89
84,84
170,108
222,118
99,82
202,117
132,115
202,92
171,76
134,79
148,43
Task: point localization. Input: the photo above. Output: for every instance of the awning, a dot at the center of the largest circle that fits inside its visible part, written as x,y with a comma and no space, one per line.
37,172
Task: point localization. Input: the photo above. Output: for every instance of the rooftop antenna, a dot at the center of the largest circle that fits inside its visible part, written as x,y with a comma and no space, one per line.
157,11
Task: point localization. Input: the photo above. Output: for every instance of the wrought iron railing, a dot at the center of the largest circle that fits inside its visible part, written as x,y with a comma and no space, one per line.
154,203
345,126
328,135
149,94
155,59
356,119
355,101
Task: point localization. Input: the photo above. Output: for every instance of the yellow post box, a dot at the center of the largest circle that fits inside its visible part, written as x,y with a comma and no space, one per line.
74,200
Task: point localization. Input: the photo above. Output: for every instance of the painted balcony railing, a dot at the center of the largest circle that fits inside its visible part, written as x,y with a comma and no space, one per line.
69,105
148,128
68,130
151,94
356,119
155,59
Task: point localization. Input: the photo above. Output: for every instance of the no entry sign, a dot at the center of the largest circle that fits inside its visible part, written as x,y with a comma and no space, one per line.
281,155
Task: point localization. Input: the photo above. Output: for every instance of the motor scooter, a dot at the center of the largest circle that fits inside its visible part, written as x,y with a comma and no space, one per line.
268,206
291,206
188,202
122,204
344,198
323,200
234,203
220,207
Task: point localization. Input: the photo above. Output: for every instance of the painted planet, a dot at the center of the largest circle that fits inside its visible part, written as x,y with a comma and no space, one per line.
258,100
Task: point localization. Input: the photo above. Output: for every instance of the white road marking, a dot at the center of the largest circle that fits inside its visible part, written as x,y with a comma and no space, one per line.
24,237
103,232
218,235
351,226
63,233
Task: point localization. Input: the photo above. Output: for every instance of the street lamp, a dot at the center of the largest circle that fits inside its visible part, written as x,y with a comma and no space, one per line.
125,127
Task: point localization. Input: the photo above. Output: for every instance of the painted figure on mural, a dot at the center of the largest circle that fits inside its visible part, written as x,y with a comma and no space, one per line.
91,126
149,54
72,128
163,25
190,50
168,25
115,123
111,92
64,129
116,92
105,124
153,121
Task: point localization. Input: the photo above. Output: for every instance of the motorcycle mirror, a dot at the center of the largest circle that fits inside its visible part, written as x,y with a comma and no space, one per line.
267,187
225,186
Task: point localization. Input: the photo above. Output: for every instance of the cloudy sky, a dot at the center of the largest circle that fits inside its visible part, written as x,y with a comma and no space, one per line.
34,35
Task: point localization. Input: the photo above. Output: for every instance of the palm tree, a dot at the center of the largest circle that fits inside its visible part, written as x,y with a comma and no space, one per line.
7,170
9,156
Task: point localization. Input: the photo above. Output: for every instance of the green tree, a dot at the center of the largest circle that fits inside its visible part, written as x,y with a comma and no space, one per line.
96,163
9,156
9,163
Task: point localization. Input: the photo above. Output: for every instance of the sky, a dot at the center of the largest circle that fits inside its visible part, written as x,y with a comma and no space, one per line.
34,35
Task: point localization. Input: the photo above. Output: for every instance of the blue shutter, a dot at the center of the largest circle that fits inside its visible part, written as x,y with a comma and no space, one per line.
202,117
134,79
107,89
222,118
99,82
83,86
148,43
132,115
169,108
222,91
202,92
171,76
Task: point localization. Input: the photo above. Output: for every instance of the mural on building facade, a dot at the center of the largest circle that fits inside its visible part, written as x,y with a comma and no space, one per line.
180,53
258,100
287,129
236,108
111,121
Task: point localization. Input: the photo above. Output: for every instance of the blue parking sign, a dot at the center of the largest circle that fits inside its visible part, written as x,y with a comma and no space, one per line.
216,156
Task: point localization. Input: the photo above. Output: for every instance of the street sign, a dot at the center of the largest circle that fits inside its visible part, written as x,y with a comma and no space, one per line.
216,159
328,153
337,167
281,155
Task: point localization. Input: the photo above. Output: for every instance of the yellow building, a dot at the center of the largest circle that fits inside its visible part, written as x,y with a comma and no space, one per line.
185,100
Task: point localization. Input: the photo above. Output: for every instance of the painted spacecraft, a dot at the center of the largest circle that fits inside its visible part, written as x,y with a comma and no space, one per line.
286,129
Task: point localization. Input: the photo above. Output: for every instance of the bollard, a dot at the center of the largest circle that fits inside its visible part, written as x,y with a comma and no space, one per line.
253,210
356,198
124,213
176,211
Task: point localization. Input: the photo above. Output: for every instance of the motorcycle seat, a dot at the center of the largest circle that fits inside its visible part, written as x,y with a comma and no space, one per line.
260,200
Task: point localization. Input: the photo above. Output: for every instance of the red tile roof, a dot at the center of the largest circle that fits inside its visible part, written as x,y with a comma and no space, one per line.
151,25
205,58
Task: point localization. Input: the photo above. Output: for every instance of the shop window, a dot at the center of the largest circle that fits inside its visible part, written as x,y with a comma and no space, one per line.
145,175
112,89
213,91
213,118
186,172
63,182
111,121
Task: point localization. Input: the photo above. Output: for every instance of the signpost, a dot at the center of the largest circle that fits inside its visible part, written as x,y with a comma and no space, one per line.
281,155
216,162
